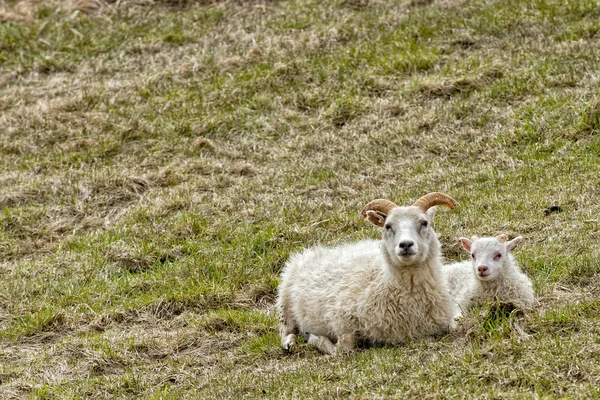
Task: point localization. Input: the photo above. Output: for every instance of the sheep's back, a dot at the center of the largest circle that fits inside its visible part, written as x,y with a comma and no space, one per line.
319,281
515,288
457,276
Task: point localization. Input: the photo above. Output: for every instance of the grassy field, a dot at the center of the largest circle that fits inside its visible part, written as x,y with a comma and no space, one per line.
161,160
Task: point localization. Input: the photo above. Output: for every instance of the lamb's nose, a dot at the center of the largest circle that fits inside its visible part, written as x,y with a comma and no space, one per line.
482,268
406,244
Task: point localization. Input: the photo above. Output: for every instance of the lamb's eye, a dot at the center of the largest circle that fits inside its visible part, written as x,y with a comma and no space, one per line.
498,256
388,227
473,256
424,224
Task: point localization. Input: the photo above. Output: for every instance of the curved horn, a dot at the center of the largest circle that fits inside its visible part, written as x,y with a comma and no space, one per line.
381,206
502,238
377,211
435,199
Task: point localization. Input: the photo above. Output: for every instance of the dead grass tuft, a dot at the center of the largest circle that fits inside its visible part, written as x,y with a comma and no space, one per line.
7,16
421,3
465,43
356,4
166,309
218,324
72,225
21,197
202,143
257,295
447,90
243,169
26,11
460,86
591,122
136,260
130,259
87,6
560,294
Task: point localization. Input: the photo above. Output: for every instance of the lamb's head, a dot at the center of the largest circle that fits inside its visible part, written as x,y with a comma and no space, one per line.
407,232
489,255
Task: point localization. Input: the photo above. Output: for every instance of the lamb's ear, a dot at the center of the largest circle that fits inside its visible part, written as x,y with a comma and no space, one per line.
376,218
510,245
466,243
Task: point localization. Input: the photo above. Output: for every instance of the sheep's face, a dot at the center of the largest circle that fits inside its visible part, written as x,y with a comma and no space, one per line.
488,255
407,233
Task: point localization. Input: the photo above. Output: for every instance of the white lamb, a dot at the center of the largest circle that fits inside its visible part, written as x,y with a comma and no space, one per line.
492,275
374,291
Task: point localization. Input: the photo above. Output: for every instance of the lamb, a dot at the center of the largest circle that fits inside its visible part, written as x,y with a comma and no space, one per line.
492,275
374,291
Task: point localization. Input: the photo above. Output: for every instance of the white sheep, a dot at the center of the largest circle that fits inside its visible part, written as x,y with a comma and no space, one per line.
492,275
376,291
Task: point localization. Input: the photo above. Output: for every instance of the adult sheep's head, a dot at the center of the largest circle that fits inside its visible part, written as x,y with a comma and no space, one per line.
407,232
489,255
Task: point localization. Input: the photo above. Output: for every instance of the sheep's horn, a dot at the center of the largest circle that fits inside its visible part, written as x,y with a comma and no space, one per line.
435,199
502,238
381,206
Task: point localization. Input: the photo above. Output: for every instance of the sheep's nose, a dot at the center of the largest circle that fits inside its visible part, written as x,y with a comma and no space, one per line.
482,268
406,244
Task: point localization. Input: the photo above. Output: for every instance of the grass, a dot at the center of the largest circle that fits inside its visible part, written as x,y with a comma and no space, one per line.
161,162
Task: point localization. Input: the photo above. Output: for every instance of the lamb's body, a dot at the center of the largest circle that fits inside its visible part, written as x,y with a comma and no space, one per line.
508,285
334,291
384,291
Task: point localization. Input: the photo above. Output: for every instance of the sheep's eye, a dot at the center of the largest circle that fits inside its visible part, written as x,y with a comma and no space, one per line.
424,224
388,227
497,256
473,255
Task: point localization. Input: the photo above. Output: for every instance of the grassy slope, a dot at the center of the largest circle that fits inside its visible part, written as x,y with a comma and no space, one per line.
161,164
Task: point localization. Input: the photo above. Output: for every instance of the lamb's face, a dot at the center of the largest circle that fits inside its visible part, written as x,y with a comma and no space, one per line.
406,235
487,257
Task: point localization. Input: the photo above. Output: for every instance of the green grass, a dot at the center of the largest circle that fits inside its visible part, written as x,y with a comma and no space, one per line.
161,163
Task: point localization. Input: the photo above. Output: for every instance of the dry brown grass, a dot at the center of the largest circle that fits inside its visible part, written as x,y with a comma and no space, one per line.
161,163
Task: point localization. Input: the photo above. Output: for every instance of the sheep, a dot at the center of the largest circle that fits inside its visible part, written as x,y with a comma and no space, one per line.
492,275
373,291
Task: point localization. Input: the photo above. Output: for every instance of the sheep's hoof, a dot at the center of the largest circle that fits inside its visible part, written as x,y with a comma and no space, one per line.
454,323
287,347
289,342
322,343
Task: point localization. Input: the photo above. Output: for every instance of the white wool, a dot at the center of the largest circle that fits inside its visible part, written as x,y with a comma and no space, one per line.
368,291
504,282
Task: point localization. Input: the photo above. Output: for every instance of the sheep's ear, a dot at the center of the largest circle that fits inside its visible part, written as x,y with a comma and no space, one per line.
466,243
431,213
510,245
376,218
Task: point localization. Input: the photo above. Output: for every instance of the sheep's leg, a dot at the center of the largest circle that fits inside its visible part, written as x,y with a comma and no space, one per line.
288,326
288,342
457,310
346,343
322,343
453,326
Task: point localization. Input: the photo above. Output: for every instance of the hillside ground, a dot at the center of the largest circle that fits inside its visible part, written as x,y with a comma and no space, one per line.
161,160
